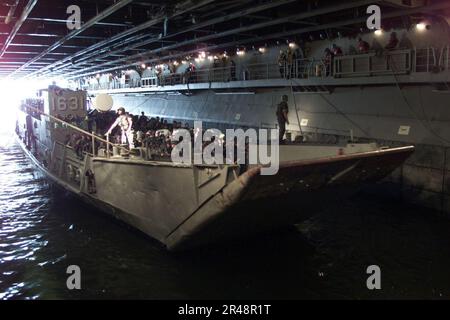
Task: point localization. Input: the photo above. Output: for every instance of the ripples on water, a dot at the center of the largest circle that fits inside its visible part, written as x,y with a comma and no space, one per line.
43,230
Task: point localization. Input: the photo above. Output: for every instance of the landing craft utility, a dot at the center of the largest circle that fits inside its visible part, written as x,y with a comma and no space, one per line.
187,205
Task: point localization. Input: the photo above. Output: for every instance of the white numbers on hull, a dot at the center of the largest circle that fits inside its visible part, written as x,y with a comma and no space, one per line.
63,104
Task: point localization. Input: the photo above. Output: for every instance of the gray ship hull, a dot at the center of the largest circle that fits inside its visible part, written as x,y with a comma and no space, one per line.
190,206
371,112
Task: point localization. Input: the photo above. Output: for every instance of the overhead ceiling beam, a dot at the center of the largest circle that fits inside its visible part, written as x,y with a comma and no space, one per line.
226,6
303,15
127,33
19,63
98,23
110,51
394,14
26,11
173,56
62,21
41,45
234,15
107,12
34,53
50,35
20,59
11,12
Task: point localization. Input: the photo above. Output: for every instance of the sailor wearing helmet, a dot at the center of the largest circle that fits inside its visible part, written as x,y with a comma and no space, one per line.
125,123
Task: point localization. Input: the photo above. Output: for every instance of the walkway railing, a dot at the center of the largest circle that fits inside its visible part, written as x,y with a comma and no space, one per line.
401,61
92,135
373,63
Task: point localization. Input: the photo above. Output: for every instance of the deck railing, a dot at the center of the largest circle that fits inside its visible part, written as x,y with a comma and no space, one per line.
374,63
92,135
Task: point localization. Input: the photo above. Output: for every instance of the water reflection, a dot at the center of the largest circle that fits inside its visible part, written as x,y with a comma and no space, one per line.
44,230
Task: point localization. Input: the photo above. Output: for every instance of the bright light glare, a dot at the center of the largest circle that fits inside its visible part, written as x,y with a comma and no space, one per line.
378,32
12,92
421,26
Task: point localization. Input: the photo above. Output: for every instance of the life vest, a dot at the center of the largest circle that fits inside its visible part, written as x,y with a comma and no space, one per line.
123,122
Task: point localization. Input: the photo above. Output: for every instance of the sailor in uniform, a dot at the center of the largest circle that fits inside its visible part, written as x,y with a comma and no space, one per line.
282,116
30,139
124,121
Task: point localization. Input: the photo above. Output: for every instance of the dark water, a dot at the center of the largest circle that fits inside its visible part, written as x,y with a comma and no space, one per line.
43,231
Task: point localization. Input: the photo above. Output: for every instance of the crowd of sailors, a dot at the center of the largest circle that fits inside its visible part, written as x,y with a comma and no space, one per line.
154,133
292,62
287,58
129,131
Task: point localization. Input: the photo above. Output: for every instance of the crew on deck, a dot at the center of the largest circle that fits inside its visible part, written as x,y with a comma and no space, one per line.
282,116
328,61
393,42
282,59
336,50
363,46
30,139
124,121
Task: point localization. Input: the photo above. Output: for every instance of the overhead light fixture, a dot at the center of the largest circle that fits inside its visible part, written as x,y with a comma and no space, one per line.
378,32
262,50
143,66
240,52
292,45
421,26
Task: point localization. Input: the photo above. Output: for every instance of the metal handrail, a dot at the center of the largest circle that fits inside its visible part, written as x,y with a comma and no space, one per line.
264,71
299,68
92,135
368,63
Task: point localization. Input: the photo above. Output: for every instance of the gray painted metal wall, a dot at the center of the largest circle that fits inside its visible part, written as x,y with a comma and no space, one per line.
375,113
